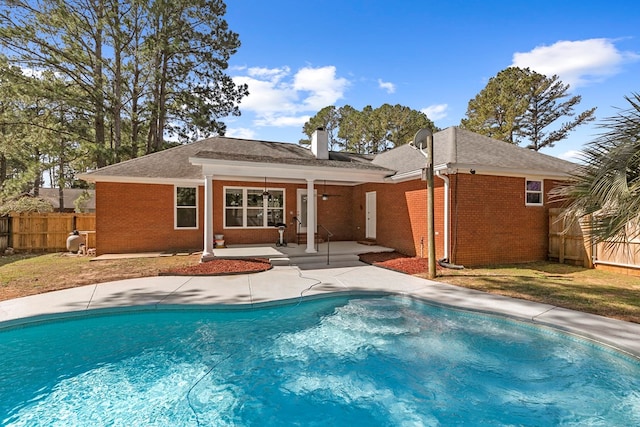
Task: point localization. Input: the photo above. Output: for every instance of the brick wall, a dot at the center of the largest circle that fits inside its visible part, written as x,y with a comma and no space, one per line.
140,218
402,215
492,225
489,222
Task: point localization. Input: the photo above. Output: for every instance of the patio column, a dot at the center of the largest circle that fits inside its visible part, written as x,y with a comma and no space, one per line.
311,218
207,252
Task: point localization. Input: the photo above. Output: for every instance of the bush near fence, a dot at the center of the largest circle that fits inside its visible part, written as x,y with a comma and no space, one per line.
46,232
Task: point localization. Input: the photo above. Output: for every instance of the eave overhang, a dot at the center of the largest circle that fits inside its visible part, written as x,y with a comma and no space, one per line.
453,168
260,170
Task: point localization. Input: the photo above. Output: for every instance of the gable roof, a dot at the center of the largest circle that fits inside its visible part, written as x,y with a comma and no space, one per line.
177,163
456,148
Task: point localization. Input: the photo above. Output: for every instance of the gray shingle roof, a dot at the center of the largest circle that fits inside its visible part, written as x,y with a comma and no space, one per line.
174,162
452,147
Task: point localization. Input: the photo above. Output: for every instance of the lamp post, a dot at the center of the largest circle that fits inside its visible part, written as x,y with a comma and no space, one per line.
425,137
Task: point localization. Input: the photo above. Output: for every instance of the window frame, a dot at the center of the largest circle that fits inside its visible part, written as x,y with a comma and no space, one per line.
527,191
245,207
177,207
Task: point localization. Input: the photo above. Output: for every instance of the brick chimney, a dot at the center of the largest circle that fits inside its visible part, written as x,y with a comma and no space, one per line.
320,144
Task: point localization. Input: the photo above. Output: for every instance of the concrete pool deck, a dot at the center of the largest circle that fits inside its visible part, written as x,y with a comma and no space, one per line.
289,283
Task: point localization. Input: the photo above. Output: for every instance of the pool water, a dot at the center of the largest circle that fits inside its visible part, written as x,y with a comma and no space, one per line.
340,361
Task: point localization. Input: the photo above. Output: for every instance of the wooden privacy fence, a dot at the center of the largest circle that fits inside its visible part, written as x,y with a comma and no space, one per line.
47,232
567,246
572,247
5,232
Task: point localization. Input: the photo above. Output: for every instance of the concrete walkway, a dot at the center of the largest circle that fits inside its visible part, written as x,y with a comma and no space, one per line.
287,284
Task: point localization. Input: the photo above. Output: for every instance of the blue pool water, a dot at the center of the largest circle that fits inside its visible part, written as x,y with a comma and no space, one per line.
375,361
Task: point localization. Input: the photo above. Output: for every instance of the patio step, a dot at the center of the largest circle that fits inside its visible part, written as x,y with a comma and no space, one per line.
315,259
302,238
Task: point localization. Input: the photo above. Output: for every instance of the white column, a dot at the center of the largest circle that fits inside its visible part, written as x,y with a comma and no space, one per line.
311,218
207,252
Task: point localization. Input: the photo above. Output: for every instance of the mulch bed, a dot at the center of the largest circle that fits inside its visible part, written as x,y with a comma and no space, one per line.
218,267
397,262
391,260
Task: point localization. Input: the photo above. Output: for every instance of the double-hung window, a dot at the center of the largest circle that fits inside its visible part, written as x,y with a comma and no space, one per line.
186,207
253,207
534,192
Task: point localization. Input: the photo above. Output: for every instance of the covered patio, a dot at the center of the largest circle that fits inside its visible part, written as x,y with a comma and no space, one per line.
293,172
334,254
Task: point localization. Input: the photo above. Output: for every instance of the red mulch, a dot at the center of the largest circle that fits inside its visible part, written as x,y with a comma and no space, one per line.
391,260
397,262
218,267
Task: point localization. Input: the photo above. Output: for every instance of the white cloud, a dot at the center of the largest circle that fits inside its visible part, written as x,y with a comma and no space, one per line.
388,86
273,74
282,121
278,98
240,133
322,85
267,96
436,112
577,63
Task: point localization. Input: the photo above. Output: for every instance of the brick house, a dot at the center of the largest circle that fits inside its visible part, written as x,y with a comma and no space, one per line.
491,197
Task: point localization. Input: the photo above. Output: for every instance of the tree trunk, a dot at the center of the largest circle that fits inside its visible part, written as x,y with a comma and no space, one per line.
99,122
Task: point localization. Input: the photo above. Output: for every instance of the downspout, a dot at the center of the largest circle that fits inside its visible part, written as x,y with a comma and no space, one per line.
444,262
446,213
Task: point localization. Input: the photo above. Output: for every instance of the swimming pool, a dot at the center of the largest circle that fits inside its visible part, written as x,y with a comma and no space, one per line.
341,361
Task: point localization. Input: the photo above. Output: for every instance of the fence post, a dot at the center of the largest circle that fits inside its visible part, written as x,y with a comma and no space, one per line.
10,231
562,240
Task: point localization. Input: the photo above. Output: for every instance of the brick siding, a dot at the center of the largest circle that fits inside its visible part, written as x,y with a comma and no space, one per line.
140,218
490,223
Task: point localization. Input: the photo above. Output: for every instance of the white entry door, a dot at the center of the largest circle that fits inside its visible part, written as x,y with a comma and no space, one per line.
302,208
370,227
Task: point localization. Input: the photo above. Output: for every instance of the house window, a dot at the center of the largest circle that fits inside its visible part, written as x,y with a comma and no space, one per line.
533,193
250,208
186,214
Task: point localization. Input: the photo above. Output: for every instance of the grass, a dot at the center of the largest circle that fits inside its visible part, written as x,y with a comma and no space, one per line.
22,275
592,291
588,290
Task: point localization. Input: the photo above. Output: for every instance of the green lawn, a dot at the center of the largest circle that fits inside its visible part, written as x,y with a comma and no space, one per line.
589,290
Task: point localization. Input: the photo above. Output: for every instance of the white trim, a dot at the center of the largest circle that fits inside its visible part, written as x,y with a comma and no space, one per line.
287,171
479,170
617,264
176,207
207,250
520,173
183,182
527,191
245,208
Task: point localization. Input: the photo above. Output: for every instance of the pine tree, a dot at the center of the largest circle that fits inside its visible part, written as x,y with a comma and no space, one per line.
519,105
370,130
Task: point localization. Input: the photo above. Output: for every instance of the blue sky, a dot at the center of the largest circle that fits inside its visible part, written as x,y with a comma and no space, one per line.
299,56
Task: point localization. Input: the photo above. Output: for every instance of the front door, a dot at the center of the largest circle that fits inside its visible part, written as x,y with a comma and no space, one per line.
302,209
370,226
